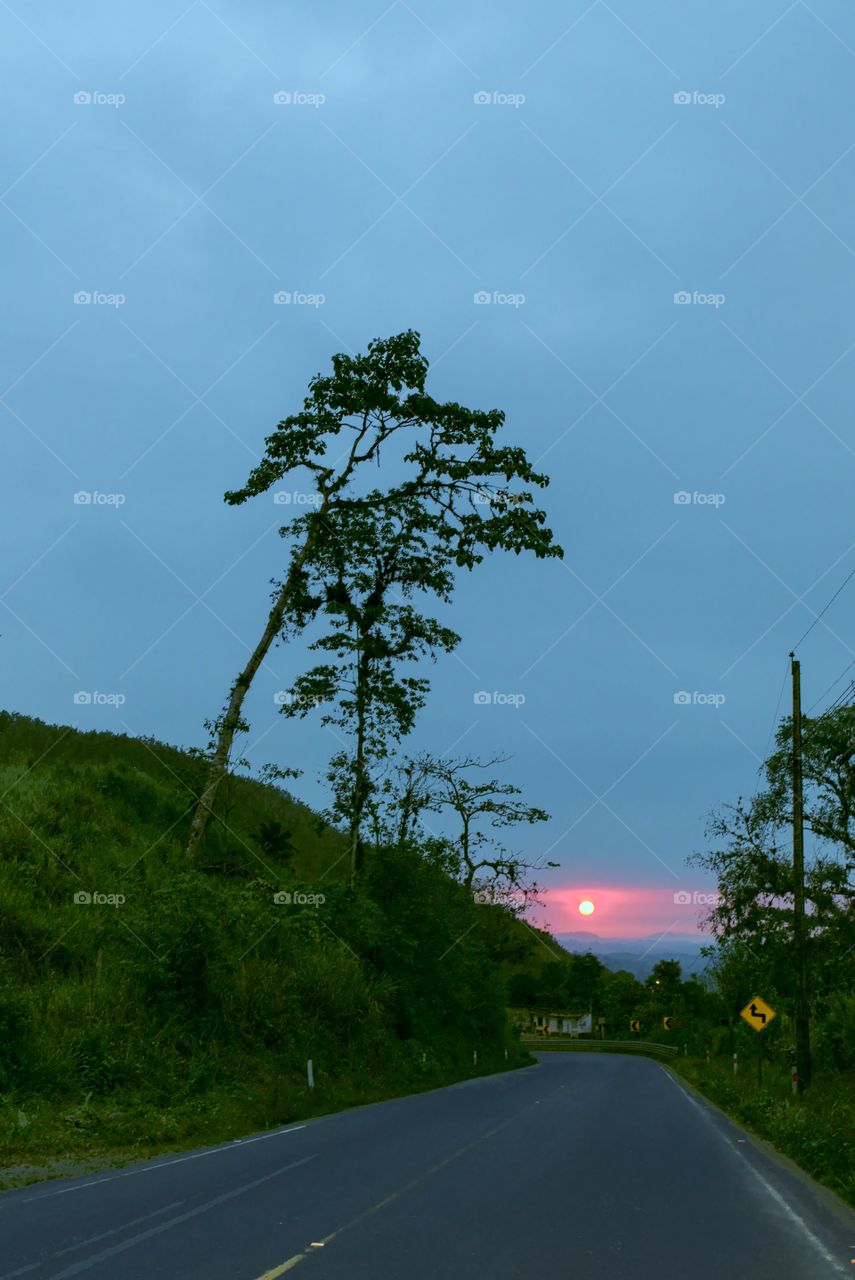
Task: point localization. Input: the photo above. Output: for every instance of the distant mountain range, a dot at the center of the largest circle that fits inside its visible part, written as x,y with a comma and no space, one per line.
639,955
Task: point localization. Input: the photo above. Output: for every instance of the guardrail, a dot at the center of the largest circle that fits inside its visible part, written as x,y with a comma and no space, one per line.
553,1044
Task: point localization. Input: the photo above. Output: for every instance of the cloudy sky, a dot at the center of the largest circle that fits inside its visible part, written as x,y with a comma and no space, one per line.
656,204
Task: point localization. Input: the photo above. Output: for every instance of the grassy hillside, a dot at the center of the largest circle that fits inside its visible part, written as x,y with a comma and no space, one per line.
145,1001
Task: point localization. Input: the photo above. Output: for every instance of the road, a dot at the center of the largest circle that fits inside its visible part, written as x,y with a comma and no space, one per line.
585,1166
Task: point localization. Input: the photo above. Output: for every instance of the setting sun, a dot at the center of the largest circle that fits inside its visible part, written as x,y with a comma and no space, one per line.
586,907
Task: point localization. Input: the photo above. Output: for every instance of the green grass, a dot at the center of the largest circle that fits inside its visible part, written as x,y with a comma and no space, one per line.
41,1139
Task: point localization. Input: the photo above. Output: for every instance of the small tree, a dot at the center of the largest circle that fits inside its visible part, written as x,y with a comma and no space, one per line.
433,784
401,797
275,840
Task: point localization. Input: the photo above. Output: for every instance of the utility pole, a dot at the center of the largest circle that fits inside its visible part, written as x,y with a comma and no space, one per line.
799,939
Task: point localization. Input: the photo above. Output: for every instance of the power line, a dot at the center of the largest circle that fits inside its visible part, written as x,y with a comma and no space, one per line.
833,683
822,611
839,702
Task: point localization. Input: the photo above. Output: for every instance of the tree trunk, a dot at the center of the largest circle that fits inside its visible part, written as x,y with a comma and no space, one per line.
464,849
240,688
359,787
407,806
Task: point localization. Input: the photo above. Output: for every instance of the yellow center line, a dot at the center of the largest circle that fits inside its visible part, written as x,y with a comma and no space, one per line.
296,1258
285,1266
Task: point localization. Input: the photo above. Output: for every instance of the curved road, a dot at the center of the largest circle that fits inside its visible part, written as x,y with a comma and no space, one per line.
586,1166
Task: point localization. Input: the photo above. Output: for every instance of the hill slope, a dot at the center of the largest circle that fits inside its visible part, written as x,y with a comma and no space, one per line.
145,1000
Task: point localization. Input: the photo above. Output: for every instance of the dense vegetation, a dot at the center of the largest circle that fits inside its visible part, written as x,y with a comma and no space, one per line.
750,854
184,1006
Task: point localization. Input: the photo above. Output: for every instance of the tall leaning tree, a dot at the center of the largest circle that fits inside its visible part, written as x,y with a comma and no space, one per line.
441,459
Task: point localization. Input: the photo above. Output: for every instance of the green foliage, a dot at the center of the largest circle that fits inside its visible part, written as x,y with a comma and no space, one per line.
828,772
15,1029
183,1006
834,1038
451,455
275,840
579,983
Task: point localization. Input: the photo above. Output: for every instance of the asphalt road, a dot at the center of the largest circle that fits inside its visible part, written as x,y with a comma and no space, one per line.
584,1166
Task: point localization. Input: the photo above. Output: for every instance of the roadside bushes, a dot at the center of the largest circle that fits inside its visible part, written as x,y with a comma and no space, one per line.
15,1027
834,1034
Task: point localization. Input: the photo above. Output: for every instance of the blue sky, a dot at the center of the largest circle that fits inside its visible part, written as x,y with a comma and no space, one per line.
658,206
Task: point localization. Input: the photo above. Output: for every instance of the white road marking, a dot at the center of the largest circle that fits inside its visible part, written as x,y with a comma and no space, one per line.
84,1244
87,1263
164,1164
797,1220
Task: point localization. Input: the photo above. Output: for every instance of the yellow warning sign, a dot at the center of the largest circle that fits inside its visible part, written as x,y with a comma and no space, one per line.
758,1014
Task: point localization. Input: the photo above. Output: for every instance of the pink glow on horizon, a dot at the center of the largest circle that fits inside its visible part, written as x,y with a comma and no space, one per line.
624,911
